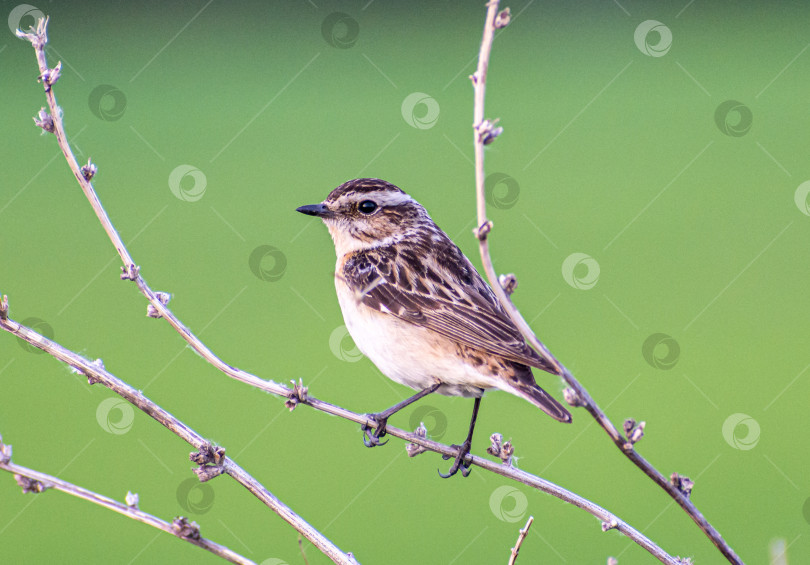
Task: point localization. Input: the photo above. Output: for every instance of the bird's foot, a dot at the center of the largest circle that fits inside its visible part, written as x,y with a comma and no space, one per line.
459,464
372,436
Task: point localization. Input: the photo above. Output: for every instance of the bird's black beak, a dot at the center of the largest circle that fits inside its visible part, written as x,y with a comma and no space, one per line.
319,210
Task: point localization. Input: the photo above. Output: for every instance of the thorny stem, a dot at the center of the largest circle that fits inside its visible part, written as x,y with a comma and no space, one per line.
48,482
485,226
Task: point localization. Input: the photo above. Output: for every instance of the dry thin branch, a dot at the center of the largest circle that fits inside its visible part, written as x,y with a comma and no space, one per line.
96,373
36,482
210,458
521,536
484,133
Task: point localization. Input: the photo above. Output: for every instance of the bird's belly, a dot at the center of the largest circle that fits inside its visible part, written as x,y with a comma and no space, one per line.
409,354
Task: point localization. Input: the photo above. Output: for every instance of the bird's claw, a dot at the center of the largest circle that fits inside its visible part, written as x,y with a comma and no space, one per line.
371,436
459,464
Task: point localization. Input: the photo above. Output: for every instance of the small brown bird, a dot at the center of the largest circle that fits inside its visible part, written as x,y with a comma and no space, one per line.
415,306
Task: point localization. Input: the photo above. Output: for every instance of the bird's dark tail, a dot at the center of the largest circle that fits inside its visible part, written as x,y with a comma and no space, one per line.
544,401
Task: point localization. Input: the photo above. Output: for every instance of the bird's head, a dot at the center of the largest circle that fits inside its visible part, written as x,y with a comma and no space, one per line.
365,213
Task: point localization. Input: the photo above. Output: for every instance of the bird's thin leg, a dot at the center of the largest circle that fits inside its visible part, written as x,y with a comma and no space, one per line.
371,437
463,449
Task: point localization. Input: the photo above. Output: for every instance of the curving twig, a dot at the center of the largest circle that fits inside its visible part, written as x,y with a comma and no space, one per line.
484,133
34,481
521,536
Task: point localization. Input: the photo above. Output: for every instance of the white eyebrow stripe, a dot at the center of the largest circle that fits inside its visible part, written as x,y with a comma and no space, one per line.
390,198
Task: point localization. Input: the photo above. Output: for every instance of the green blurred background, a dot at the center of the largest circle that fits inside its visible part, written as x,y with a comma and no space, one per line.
687,306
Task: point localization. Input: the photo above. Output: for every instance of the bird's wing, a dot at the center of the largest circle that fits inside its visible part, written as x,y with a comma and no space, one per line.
442,292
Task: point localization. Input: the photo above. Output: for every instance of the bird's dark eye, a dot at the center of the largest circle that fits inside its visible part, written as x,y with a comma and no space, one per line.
367,206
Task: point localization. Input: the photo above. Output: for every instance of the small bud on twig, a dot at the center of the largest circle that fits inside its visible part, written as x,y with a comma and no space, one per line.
573,398
163,298
208,454
483,230
132,499
50,76
208,472
611,524
297,395
682,483
37,36
502,19
501,449
633,432
130,273
4,307
414,449
44,120
508,282
487,132
30,485
185,529
89,170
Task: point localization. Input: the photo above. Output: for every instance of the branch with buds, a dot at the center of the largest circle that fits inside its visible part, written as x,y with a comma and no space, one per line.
484,133
32,481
